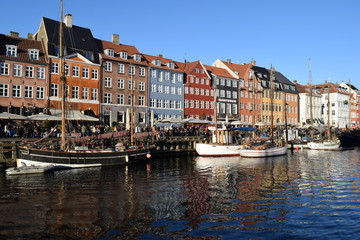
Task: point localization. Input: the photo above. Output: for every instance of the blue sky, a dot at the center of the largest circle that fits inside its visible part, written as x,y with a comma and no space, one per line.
281,33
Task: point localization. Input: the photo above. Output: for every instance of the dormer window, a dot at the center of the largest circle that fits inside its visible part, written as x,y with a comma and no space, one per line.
109,52
34,54
123,55
157,62
171,65
251,75
11,50
259,75
137,57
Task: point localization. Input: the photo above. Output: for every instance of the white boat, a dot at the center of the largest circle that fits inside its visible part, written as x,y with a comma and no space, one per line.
264,151
218,150
222,144
33,169
327,145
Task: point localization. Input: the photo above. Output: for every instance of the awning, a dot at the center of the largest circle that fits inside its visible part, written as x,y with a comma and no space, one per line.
43,117
11,116
73,115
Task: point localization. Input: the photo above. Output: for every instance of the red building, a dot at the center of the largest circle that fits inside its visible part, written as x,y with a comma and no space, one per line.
198,92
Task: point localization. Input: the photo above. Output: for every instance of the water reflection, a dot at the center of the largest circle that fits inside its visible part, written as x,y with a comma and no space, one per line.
302,195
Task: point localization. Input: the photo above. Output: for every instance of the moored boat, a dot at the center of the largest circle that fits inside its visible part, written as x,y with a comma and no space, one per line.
326,145
350,139
265,150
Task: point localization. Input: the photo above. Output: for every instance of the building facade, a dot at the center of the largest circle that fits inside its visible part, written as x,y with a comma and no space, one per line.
24,75
166,88
124,84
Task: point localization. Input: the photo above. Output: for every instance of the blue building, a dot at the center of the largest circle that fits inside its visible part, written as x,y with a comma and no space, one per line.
166,93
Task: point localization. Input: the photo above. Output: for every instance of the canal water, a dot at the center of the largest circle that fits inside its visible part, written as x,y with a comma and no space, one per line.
307,194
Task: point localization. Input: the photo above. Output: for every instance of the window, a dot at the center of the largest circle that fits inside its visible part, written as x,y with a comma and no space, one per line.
85,73
121,68
161,77
159,103
131,70
137,57
16,91
107,97
4,90
153,73
34,54
40,73
85,93
54,90
141,86
40,93
167,76
173,89
186,103
141,100
178,104
28,92
107,82
120,99
130,84
142,71
29,72
94,74
17,70
160,89
166,103
66,70
172,104
153,87
94,94
75,92
108,67
120,84
141,117
153,102
180,77
186,90
75,71
11,51
54,68
179,91
121,117
166,89
173,78
109,52
4,68
123,55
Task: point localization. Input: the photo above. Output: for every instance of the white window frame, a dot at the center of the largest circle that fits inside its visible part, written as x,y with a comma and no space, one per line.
17,70
29,71
16,91
28,91
40,73
11,51
85,93
40,92
33,54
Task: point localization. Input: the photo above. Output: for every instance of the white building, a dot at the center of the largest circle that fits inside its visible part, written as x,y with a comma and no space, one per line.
304,105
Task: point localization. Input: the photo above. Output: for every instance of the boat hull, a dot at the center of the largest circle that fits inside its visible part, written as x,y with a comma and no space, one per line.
269,152
350,139
217,150
78,159
323,145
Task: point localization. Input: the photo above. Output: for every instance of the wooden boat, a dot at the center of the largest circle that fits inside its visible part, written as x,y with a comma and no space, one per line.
265,150
350,138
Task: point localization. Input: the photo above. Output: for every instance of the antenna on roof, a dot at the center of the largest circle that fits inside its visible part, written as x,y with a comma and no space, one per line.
184,57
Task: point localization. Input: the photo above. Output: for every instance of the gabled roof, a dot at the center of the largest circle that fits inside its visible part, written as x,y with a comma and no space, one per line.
188,67
23,45
241,69
334,88
74,37
131,50
282,79
222,72
164,62
305,89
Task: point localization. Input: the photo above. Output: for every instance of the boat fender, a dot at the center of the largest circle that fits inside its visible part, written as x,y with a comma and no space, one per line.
148,155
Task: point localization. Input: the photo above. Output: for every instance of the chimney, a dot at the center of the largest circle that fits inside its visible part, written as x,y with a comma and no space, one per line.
228,60
30,36
14,34
253,62
115,38
68,20
160,55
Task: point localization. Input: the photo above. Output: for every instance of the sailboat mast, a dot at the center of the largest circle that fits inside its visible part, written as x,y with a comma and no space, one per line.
132,125
62,77
215,111
310,85
271,104
328,123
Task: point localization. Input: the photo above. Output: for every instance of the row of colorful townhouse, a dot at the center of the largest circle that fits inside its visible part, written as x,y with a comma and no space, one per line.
105,78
